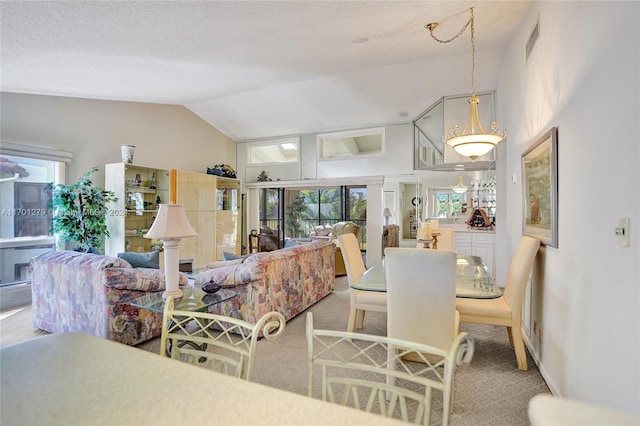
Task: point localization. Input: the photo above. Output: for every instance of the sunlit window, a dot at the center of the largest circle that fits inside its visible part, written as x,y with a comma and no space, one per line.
26,175
273,151
448,203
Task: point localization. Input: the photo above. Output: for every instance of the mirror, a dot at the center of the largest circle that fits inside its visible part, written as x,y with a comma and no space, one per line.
431,152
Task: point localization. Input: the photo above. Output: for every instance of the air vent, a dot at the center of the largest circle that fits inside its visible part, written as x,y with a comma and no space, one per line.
535,35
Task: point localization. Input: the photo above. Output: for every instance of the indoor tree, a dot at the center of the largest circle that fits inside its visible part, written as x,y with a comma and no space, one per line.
79,212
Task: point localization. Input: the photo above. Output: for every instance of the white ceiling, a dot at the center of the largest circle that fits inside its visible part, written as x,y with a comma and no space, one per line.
256,69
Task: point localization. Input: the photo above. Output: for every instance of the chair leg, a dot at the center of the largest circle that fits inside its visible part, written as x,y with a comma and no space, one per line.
518,343
360,322
351,326
510,337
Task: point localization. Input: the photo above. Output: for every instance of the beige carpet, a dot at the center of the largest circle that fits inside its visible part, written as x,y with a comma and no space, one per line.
491,391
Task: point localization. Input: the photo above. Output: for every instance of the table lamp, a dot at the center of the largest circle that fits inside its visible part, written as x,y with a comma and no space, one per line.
171,225
387,214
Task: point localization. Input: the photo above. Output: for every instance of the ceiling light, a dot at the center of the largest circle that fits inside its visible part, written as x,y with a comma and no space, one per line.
403,114
474,141
460,188
359,40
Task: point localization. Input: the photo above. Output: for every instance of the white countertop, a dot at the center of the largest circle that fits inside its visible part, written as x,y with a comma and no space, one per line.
462,227
77,379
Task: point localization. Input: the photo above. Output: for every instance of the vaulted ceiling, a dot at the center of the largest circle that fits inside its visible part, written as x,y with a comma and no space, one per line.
256,69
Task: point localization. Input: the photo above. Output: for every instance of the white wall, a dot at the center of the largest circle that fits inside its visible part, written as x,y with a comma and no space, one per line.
165,136
582,76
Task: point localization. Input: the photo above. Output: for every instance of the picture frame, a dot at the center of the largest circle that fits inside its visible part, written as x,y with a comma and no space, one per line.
540,189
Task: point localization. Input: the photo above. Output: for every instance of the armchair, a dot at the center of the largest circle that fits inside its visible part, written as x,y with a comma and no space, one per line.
321,232
269,239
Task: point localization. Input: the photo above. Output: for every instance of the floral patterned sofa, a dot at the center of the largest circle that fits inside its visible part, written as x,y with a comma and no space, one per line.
288,280
89,293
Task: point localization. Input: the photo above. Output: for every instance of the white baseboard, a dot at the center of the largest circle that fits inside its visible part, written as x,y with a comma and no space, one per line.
15,295
545,375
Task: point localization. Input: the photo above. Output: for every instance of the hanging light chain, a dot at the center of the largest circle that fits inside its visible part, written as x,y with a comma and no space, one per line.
432,26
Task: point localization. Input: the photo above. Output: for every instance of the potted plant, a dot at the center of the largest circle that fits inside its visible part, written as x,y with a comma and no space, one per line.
294,215
80,211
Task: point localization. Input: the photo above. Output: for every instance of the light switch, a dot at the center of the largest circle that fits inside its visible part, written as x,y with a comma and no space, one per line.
514,178
622,231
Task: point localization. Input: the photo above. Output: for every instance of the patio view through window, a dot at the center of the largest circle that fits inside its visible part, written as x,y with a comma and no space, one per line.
26,216
299,211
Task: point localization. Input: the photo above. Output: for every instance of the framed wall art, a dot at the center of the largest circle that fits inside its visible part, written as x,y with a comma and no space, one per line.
540,189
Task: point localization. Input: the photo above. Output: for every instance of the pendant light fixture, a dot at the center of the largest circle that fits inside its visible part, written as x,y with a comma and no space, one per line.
474,141
460,188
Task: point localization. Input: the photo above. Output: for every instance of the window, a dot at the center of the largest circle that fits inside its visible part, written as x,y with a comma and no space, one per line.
274,151
366,142
26,174
271,217
447,203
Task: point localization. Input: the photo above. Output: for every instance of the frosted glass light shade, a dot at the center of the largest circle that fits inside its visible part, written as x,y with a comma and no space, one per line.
171,222
460,188
474,141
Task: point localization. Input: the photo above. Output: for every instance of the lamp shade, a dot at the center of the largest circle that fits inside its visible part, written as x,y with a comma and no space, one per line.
386,212
171,222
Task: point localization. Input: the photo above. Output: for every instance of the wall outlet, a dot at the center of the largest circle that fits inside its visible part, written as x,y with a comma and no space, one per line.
622,231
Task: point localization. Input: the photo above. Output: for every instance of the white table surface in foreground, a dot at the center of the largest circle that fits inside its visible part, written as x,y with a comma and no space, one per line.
547,410
77,379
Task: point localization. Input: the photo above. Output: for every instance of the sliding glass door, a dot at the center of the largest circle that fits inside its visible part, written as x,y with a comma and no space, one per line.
299,211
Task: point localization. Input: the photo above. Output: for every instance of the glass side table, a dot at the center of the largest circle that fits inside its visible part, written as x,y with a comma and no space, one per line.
193,299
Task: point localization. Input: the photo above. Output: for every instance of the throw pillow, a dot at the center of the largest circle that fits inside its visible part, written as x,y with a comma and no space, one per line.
142,260
233,256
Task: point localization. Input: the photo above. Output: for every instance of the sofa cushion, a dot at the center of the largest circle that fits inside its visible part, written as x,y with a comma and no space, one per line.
79,260
232,275
232,256
223,263
142,260
142,279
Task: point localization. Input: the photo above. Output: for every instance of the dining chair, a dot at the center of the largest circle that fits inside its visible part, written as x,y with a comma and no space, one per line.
507,309
421,300
223,344
421,295
354,367
338,229
445,239
360,300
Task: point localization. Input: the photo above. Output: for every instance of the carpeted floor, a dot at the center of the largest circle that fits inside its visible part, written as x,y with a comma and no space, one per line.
491,391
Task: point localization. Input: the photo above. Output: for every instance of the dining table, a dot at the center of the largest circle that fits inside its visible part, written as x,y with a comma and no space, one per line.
79,379
473,279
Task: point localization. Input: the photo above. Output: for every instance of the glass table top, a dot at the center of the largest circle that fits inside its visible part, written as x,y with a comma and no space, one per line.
193,299
473,279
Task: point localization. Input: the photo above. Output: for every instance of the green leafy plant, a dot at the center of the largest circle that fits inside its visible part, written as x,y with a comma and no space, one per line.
80,211
294,214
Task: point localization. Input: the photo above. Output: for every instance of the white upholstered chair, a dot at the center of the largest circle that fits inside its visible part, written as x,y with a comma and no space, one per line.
421,299
354,367
361,301
507,309
445,239
220,343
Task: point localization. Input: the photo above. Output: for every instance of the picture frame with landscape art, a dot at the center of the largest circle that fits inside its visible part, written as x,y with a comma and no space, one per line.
540,189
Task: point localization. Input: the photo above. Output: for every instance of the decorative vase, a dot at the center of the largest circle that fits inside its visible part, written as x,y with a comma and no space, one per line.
127,153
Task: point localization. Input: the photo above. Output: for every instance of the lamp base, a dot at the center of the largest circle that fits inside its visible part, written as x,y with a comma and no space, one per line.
174,293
